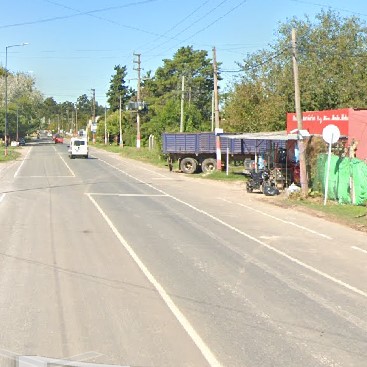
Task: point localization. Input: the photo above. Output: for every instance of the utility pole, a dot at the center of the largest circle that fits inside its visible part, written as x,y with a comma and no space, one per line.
182,104
213,110
72,122
105,125
94,115
300,142
138,101
17,138
216,111
120,125
76,119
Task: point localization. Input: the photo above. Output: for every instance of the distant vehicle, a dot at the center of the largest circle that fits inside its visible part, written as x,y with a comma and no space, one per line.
78,148
21,141
58,139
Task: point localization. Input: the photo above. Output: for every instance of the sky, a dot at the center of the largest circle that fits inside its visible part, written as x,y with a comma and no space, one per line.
74,45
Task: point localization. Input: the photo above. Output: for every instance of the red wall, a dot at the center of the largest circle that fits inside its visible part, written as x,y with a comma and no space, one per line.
358,131
351,123
315,121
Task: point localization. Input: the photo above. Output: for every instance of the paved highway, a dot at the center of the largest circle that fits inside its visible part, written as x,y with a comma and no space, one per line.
107,261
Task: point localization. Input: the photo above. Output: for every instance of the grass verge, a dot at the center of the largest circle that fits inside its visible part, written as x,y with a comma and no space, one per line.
13,154
350,215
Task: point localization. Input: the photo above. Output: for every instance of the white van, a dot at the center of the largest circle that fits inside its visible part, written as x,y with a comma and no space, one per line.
78,148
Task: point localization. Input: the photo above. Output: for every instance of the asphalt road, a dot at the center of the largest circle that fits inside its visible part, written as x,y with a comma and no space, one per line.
109,261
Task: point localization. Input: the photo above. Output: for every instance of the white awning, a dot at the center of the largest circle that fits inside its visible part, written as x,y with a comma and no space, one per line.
274,135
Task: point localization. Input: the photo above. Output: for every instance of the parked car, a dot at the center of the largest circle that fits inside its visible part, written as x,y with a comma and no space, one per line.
21,141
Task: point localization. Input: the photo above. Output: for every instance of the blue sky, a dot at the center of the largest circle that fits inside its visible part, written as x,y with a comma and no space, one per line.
75,44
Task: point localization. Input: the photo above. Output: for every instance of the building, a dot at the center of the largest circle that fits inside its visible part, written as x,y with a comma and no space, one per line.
351,122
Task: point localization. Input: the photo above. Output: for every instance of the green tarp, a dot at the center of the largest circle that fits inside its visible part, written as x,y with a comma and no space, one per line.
347,179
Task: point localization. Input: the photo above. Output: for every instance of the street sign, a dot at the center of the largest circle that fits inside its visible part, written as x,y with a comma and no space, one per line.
331,134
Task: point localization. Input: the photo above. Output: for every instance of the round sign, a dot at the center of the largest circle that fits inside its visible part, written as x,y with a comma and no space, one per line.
331,134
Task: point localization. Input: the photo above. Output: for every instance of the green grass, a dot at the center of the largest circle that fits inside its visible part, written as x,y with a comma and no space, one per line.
13,154
233,175
143,154
351,215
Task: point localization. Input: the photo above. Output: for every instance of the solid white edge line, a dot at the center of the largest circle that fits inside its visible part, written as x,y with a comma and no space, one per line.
359,249
71,171
2,197
21,165
134,195
184,322
279,252
280,220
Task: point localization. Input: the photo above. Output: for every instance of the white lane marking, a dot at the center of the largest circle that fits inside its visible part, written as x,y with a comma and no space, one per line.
280,220
46,176
113,194
204,349
146,169
71,171
279,252
25,158
359,249
2,197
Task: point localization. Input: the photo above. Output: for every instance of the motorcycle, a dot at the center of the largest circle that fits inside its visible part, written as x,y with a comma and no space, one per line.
263,181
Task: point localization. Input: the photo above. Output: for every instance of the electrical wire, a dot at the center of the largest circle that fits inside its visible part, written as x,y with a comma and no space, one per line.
330,7
207,26
188,27
180,22
79,13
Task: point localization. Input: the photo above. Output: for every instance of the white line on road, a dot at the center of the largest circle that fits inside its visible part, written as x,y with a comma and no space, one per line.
43,176
114,194
280,220
359,249
71,171
279,252
2,197
25,158
204,349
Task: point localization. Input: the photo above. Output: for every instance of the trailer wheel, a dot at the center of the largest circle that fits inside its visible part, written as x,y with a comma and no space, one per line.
188,165
209,165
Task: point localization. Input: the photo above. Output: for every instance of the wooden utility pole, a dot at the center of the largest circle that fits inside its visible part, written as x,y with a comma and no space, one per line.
216,111
94,116
138,100
105,125
301,145
182,104
120,121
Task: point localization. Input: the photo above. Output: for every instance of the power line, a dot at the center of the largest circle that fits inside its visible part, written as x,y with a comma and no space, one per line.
188,27
206,27
330,7
79,13
180,22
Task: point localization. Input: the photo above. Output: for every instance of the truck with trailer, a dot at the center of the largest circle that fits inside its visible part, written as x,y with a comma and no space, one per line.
197,151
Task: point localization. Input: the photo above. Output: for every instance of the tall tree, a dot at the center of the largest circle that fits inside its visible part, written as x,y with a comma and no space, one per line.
332,72
163,92
118,88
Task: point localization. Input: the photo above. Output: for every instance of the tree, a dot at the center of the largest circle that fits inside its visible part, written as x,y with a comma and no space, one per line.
118,88
24,103
163,93
332,73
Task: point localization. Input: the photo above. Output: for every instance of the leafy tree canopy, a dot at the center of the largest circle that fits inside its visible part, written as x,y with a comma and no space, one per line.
332,53
118,88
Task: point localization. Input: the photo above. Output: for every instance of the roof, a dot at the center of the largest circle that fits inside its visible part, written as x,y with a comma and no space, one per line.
273,135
